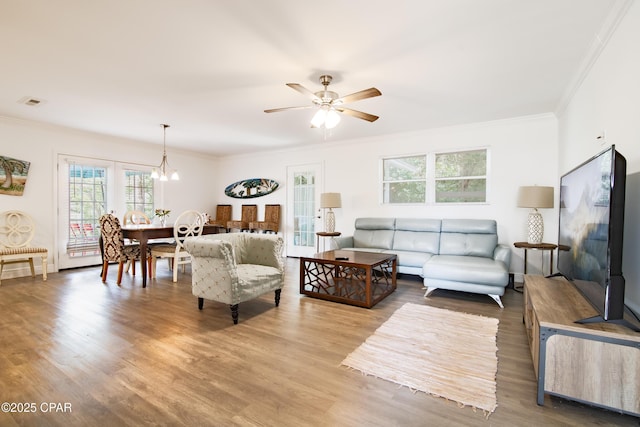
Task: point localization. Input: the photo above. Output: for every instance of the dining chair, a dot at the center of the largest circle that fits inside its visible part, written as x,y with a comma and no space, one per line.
114,248
223,216
190,223
271,221
16,232
133,217
249,214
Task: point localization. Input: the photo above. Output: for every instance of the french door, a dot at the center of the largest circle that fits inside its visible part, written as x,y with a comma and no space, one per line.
303,213
87,189
84,194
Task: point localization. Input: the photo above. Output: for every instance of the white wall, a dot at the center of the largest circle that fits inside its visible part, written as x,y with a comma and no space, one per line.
40,144
522,152
609,99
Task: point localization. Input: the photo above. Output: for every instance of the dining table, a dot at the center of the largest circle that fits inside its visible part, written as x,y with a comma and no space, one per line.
144,232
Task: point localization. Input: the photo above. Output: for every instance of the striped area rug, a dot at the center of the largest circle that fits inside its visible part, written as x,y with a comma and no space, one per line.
436,351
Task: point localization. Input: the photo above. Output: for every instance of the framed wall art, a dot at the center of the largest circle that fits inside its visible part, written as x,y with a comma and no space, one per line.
13,176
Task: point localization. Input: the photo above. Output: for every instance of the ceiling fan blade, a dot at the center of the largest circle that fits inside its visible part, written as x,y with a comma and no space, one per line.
275,110
363,94
303,90
359,114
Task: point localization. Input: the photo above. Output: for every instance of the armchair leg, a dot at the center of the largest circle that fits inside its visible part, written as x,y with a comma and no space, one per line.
278,291
234,313
200,303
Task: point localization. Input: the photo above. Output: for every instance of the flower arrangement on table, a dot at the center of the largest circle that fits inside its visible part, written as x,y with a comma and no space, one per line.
163,214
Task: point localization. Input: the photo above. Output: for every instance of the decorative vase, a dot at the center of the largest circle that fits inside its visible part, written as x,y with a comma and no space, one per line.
163,221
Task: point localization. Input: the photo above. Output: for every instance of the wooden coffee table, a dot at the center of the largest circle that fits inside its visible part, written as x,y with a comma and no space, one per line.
350,277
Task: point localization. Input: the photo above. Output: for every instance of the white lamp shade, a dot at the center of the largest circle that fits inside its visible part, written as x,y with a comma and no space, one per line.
330,200
535,197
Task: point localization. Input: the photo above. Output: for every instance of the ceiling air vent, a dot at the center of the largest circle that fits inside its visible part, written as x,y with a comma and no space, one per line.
31,101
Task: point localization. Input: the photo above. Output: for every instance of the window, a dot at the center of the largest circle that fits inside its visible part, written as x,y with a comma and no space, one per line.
138,189
444,177
404,179
461,177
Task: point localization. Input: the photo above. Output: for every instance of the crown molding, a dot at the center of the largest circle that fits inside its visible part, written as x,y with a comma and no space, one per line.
617,12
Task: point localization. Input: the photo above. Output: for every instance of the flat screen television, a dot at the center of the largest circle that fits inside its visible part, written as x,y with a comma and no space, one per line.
591,230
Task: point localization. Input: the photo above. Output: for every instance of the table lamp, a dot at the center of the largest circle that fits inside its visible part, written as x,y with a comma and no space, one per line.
535,197
330,201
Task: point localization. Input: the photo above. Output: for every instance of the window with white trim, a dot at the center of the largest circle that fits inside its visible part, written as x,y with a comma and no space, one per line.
461,177
436,178
404,179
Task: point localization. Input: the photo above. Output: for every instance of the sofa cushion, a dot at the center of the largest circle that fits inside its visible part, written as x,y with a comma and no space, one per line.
374,233
468,269
416,241
470,237
374,250
417,234
375,223
418,224
475,226
410,258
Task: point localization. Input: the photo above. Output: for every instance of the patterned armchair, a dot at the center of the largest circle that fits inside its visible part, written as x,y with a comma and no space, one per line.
233,268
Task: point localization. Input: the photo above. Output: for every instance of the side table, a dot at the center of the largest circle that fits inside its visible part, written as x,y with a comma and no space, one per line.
320,234
539,247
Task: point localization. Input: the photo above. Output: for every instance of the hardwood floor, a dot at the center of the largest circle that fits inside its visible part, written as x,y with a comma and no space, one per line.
132,356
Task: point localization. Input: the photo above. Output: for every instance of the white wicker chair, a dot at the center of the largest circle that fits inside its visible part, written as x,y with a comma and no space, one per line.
16,232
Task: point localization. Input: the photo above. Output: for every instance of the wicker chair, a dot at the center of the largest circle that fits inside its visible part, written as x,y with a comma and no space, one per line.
114,249
16,232
223,216
249,214
271,221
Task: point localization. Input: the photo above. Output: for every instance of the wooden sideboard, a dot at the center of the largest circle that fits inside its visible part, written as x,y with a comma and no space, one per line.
597,363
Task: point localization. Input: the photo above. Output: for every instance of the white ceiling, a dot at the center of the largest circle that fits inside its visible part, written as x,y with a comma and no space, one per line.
209,68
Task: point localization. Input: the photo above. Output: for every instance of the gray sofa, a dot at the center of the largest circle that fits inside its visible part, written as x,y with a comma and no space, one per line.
455,254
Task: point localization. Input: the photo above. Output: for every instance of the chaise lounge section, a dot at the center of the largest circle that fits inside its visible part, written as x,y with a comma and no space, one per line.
454,254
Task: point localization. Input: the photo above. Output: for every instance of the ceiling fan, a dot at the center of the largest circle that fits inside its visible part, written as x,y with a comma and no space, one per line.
331,104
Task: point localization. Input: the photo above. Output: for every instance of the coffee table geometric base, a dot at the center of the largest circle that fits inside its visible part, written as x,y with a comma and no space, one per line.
362,279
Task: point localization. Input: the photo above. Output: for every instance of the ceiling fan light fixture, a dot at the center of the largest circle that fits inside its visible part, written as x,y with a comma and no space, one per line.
319,118
332,119
330,104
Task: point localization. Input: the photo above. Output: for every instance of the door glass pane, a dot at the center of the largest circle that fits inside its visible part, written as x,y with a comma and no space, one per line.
87,202
304,209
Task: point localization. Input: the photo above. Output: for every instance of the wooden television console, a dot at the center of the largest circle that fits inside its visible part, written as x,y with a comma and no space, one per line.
596,363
